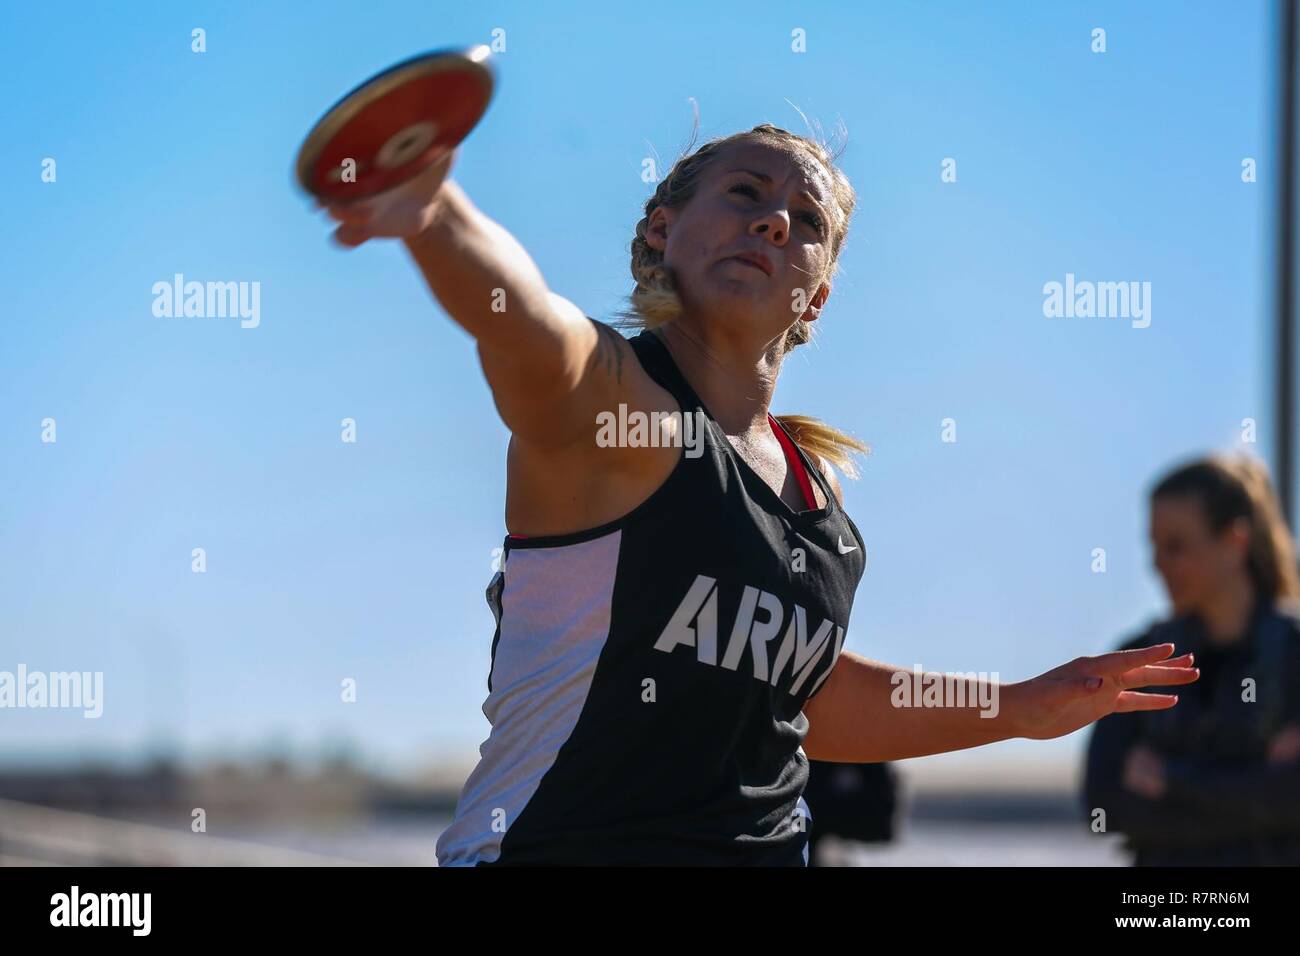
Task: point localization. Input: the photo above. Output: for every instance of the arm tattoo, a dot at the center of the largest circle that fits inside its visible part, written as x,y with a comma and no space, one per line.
609,350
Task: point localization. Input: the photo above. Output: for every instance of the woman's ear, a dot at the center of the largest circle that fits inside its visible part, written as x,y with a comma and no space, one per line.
1239,536
817,302
656,230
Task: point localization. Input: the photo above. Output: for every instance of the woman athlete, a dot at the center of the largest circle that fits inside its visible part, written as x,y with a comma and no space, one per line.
672,606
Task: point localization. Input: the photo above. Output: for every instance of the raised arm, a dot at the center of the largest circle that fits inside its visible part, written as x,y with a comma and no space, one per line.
550,368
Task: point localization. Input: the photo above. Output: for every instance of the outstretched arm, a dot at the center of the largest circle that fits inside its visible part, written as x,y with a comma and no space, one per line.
550,368
868,712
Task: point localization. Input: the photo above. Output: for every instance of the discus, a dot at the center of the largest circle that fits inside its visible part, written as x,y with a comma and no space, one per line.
395,125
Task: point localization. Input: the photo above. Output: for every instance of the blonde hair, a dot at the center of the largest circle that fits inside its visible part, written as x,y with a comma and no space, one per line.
1232,487
655,301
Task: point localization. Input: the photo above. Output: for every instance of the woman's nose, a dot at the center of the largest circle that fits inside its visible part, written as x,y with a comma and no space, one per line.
774,226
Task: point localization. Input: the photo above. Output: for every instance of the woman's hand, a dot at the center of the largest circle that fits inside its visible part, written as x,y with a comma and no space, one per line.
1285,746
1144,772
402,212
1088,688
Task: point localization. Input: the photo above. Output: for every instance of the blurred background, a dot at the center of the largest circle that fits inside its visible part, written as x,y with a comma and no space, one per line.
315,691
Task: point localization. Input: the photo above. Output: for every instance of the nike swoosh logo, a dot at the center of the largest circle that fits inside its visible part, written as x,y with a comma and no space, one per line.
844,550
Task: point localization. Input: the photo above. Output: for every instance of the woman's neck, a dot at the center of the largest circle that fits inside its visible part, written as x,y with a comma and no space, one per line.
737,390
1227,614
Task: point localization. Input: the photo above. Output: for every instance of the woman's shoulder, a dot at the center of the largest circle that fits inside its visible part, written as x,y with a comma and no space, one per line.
1283,619
1281,616
831,478
1287,610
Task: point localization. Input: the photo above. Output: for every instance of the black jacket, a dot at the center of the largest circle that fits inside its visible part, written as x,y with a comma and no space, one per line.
1224,805
854,801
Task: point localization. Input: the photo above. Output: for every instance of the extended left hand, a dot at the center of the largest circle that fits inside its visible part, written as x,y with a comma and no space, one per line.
1088,688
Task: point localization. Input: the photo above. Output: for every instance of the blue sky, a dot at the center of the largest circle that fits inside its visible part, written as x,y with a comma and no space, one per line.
329,560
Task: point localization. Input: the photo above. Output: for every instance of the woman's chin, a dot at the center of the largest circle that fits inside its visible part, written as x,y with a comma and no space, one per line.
742,296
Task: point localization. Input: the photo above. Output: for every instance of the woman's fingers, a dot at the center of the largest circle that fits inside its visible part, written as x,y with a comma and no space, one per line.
1158,675
351,212
1117,662
402,210
350,236
1131,700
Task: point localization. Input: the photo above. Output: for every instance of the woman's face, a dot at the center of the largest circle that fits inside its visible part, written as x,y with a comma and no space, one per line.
761,201
1193,561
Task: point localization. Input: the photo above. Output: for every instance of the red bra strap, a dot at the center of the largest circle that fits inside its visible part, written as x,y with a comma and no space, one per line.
796,463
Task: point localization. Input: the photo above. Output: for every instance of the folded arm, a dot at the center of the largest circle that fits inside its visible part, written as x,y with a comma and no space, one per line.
1143,819
1266,795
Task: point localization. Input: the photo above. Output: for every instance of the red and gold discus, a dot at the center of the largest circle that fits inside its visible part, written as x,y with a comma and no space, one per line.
396,124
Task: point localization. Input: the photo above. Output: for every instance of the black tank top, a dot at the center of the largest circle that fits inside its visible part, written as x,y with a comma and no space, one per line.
648,675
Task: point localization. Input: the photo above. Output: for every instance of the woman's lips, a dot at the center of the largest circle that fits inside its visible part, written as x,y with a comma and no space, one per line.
752,265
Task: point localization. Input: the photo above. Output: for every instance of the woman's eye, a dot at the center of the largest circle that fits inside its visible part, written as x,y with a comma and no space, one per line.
811,218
